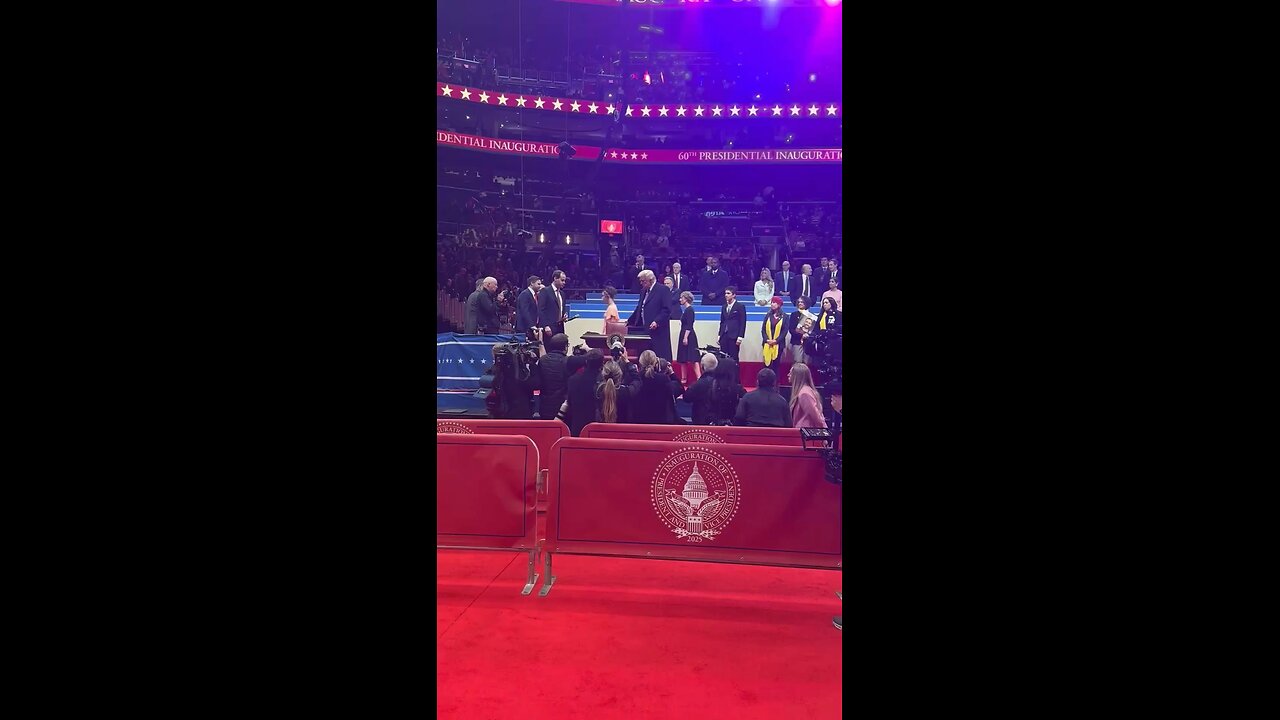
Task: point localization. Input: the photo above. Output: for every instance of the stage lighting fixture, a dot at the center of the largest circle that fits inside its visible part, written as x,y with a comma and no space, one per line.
566,239
542,237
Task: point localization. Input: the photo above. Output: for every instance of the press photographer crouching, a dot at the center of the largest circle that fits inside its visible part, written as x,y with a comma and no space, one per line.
511,381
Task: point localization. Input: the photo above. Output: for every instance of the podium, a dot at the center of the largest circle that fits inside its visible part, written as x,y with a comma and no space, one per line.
636,344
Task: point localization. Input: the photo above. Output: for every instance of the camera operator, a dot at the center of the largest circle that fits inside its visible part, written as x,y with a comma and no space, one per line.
513,381
553,376
579,407
656,392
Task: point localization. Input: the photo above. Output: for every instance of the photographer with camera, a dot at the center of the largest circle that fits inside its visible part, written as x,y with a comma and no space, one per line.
553,376
656,392
513,381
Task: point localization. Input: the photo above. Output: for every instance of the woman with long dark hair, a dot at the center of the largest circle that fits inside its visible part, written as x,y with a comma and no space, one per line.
796,326
726,390
772,335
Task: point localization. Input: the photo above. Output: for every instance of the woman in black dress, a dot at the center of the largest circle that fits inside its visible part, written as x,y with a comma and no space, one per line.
687,354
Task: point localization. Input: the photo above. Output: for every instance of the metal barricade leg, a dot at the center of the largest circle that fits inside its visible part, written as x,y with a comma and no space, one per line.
550,579
533,574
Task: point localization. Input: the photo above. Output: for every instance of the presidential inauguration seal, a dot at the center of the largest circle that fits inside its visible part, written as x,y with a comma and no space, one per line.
448,426
697,436
695,493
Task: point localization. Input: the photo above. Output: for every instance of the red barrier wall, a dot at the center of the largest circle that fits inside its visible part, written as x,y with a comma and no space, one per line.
758,504
695,433
544,434
486,491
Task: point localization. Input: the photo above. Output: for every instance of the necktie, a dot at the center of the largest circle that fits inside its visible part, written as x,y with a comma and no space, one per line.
642,298
560,301
804,288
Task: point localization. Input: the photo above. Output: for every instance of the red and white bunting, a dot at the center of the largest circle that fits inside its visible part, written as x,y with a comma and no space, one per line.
703,111
663,156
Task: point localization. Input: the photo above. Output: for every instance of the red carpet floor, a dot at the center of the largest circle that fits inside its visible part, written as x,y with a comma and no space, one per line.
631,638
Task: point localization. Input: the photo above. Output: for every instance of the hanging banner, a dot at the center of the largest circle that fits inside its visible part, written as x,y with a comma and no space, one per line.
655,111
799,156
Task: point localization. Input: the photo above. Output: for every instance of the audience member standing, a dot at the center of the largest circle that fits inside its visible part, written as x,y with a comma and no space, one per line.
687,352
806,287
806,404
797,327
634,274
712,282
773,334
733,323
614,400
785,280
527,309
679,282
552,308
726,390
655,396
699,394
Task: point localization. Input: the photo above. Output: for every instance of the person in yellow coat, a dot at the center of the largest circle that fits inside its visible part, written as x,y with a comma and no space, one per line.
773,333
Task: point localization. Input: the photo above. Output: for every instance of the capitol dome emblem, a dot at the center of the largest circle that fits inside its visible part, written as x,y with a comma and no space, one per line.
448,426
697,436
695,493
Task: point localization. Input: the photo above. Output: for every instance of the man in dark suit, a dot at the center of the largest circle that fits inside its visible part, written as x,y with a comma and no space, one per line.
552,308
711,282
527,309
806,286
763,407
784,280
553,377
699,393
653,313
820,275
733,323
833,273
679,281
634,274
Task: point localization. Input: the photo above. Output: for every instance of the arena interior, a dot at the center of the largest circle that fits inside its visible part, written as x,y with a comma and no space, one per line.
624,530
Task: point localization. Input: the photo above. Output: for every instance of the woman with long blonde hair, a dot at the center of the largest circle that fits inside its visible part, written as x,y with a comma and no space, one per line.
613,399
806,404
764,287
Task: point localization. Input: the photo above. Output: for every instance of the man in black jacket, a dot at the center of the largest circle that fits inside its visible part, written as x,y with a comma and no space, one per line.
553,376
711,283
634,274
806,285
733,323
527,309
482,314
553,310
763,407
581,393
784,280
699,393
653,313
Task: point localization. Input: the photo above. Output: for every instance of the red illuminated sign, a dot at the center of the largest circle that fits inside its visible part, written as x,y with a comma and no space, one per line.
611,227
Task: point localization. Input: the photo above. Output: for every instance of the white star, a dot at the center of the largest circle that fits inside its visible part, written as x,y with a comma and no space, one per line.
556,103
813,109
592,107
645,111
521,101
663,111
473,360
466,94
777,110
575,105
680,111
698,111
795,110
752,110
447,90
733,110
644,156
614,154
628,111
831,110
483,97
609,109
715,111
539,102
633,156
502,99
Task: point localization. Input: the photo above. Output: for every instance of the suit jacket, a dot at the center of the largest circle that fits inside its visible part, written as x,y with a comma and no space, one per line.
481,313
782,286
654,400
549,310
797,289
826,278
763,408
734,323
657,308
633,273
682,284
712,286
699,396
526,311
553,379
581,395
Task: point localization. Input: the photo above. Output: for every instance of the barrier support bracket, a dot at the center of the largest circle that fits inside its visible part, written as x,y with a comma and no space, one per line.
550,579
533,572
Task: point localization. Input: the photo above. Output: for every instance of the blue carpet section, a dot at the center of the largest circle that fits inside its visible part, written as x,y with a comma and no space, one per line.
593,308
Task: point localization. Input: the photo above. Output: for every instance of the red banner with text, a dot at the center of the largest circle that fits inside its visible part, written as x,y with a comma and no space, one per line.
798,156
